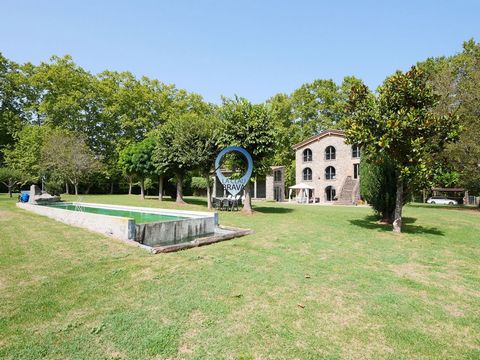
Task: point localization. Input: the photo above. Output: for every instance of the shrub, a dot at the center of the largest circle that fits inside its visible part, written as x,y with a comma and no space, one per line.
378,188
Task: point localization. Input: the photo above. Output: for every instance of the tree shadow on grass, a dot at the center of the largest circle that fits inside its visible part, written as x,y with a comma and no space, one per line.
188,200
196,201
371,222
272,210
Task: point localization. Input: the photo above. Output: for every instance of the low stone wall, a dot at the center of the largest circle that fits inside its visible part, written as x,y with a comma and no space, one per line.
174,232
196,224
115,226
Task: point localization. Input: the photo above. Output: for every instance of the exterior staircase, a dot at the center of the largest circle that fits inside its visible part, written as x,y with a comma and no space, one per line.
350,193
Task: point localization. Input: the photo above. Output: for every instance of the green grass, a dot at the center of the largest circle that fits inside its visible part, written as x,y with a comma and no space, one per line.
311,282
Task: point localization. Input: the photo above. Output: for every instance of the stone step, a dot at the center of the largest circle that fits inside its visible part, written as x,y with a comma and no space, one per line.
346,195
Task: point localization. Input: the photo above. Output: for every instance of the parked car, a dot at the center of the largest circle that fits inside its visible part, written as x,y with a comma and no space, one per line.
442,200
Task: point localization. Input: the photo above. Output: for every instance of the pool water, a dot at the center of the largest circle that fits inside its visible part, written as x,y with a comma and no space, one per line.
139,217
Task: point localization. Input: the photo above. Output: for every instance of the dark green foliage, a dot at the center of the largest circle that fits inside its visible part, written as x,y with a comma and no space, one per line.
249,126
12,117
54,185
137,160
378,187
26,154
456,80
185,143
199,185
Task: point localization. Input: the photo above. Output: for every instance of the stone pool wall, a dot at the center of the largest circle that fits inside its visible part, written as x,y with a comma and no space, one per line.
122,228
173,232
163,233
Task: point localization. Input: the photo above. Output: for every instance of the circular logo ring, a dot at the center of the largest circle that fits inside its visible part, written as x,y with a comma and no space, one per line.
234,186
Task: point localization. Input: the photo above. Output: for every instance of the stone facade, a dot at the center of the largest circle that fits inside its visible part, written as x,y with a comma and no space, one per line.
271,187
330,165
275,184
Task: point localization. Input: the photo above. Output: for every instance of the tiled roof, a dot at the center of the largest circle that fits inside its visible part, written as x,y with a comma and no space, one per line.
317,137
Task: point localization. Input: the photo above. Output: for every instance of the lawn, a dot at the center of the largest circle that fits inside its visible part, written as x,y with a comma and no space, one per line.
311,282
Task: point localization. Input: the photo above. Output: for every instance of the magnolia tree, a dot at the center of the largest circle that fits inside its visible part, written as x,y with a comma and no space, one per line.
399,126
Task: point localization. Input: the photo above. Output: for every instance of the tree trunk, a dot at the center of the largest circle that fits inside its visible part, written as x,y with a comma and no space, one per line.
87,190
129,185
142,188
397,221
67,190
160,188
209,196
111,188
76,188
247,204
179,199
10,186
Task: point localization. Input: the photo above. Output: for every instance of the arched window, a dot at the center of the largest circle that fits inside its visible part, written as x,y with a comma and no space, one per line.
330,153
330,173
307,174
307,155
355,151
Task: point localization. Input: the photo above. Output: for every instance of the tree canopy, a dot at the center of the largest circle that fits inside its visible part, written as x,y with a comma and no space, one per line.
249,126
137,160
456,80
67,155
399,125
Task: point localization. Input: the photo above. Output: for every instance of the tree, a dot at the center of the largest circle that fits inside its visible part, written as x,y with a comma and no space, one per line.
175,151
11,178
12,117
399,124
249,126
202,147
378,186
317,106
287,134
137,160
67,155
455,79
25,156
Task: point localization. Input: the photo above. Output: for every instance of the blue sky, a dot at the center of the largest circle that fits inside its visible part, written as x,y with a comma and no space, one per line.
250,48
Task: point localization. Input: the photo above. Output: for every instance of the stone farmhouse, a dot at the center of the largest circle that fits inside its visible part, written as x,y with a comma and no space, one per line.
328,168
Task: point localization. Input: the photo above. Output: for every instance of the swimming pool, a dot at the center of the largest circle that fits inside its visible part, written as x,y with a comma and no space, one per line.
138,216
147,226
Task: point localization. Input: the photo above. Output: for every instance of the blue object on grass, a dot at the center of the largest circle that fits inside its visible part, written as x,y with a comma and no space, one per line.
24,196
